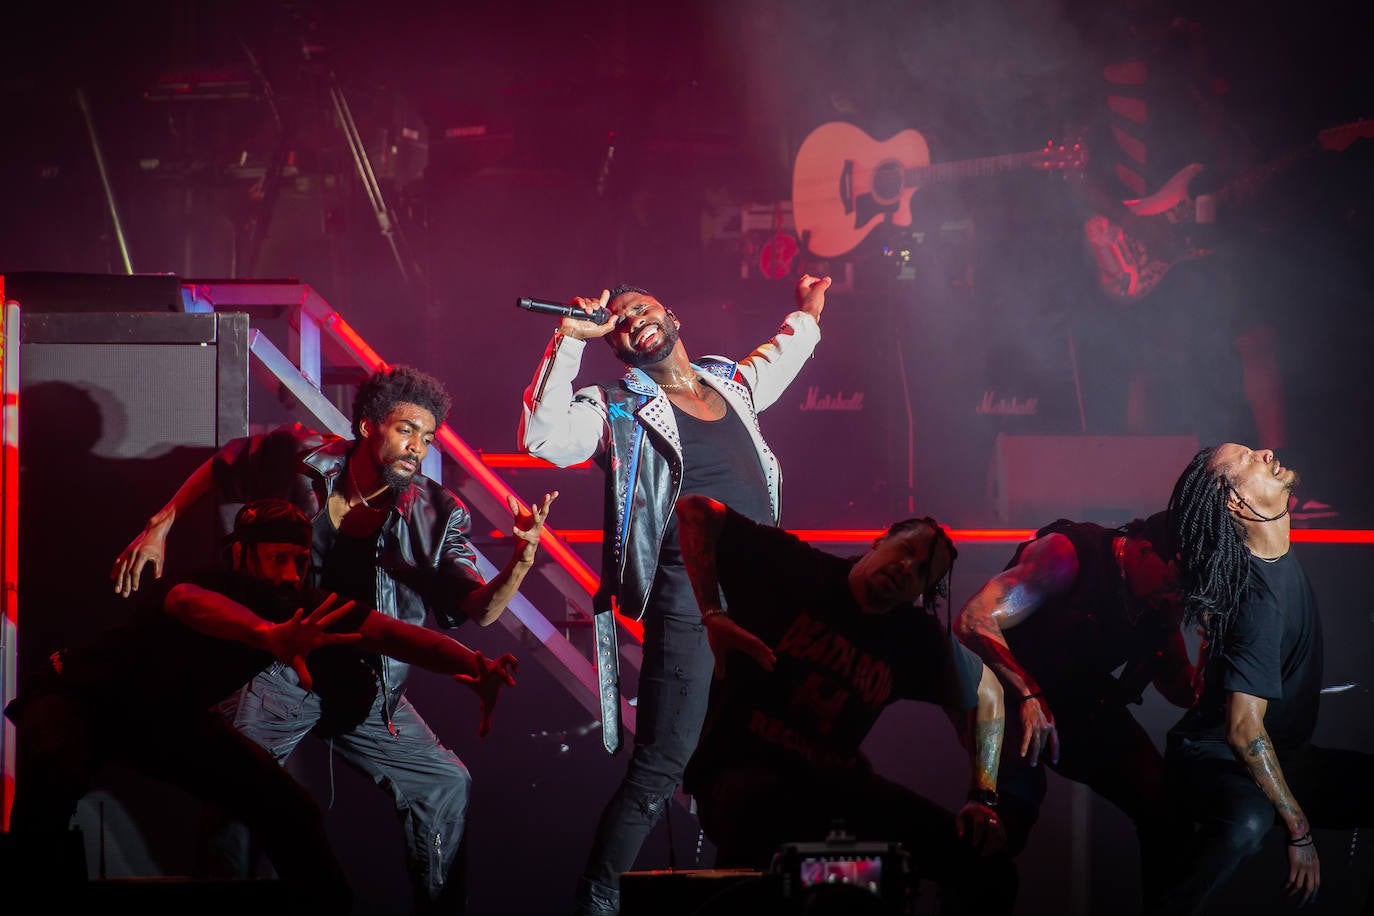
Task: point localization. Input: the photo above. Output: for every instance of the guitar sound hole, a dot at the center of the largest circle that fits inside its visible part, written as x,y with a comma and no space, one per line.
887,181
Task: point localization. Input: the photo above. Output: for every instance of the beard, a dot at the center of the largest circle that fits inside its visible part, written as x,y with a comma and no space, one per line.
396,476
641,358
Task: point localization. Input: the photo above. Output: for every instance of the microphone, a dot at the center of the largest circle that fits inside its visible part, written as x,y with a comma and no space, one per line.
597,315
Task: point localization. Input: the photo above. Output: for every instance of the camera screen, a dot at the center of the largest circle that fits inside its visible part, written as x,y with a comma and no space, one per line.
862,872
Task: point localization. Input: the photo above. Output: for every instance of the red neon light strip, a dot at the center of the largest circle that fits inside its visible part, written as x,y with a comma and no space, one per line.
503,460
831,535
369,357
574,535
9,544
984,535
1332,536
828,535
859,535
9,503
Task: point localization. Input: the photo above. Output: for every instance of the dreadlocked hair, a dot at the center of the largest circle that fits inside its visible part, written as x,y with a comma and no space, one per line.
940,589
1214,563
383,390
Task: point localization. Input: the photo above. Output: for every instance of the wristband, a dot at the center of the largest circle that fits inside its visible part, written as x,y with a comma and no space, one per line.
1304,840
713,612
985,797
1032,696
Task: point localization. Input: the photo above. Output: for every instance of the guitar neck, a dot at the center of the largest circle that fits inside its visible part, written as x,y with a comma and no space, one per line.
916,176
1249,184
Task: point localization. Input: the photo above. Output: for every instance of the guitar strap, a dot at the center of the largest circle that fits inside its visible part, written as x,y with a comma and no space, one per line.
608,679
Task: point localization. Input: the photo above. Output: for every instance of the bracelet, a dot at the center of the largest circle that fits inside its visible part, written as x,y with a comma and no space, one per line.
985,797
1032,696
1304,840
714,612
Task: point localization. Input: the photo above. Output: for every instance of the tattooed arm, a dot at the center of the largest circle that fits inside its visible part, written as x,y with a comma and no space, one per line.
977,822
988,723
1048,567
1250,743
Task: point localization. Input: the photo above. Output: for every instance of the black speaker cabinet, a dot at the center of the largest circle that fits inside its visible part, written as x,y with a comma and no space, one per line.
71,292
115,411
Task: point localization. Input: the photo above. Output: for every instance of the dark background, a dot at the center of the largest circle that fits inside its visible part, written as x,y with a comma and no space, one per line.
550,150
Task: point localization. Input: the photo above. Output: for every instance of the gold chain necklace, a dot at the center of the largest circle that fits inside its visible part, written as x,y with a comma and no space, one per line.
359,490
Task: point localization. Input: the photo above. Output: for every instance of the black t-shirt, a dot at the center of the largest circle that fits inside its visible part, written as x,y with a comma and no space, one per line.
837,667
1273,651
719,461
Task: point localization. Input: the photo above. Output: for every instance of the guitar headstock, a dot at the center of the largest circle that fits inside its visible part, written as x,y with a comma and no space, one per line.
1338,138
1071,155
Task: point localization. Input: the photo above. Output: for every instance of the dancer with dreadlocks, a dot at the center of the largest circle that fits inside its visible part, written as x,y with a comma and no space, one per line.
1075,604
1242,760
830,643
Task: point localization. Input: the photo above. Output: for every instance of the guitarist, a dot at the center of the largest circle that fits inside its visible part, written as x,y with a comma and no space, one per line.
1193,333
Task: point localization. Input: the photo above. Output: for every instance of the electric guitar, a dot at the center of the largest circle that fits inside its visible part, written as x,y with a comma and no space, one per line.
845,183
1136,242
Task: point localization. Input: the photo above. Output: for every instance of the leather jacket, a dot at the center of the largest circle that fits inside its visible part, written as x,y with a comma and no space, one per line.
424,561
628,426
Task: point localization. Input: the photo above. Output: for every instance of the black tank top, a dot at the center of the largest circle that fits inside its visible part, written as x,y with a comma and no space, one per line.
1076,640
719,461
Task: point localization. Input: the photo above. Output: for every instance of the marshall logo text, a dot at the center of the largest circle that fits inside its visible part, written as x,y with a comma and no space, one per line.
816,401
1009,407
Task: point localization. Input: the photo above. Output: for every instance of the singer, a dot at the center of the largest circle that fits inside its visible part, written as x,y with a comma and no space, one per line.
703,437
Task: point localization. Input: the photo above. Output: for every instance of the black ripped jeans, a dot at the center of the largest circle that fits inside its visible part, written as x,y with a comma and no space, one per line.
674,684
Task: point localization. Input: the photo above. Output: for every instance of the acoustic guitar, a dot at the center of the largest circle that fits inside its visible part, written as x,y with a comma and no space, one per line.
845,183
